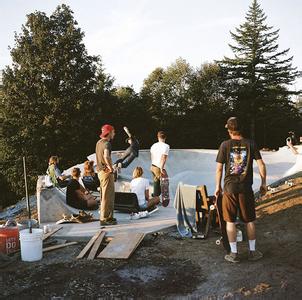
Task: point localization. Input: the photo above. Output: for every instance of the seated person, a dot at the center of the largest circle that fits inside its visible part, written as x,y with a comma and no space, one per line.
140,186
77,196
90,178
56,177
130,153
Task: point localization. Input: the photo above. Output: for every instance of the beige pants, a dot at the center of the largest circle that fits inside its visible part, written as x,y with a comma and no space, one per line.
107,195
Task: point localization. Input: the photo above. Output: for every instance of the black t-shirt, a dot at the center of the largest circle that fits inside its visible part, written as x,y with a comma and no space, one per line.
72,198
238,156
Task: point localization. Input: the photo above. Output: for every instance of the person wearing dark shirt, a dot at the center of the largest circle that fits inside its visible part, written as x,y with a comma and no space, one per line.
76,195
130,153
105,173
90,178
237,155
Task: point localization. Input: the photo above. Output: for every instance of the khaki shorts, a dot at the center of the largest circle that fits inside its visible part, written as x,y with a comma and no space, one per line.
244,202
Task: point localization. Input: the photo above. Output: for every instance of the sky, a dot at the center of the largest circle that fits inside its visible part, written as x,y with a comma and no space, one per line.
134,37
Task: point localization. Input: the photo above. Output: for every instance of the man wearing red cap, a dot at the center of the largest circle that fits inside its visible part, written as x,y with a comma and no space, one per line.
105,174
237,154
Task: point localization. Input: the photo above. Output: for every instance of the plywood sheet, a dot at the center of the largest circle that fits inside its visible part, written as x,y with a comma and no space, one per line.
122,246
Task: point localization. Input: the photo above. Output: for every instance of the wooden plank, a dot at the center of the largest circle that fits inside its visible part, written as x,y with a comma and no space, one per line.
58,246
47,235
122,246
89,245
96,246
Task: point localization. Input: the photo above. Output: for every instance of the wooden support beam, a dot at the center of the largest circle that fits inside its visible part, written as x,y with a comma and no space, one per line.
58,246
89,245
96,246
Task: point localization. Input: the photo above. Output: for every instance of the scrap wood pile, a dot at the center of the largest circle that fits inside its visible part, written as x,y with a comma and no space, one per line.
120,246
54,244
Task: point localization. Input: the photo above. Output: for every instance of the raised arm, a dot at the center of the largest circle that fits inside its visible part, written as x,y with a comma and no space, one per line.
127,131
219,170
290,145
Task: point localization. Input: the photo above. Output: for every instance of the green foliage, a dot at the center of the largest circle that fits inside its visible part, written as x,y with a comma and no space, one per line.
187,103
259,74
49,106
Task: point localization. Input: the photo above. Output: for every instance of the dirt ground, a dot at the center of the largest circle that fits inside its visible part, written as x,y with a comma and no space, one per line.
165,266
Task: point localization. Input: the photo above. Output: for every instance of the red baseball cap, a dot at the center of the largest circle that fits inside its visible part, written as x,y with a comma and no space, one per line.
106,129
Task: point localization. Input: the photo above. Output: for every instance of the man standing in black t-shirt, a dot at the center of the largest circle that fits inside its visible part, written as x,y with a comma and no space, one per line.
237,155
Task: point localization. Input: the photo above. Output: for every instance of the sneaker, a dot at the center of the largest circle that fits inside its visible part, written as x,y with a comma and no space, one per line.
108,222
232,257
112,219
255,255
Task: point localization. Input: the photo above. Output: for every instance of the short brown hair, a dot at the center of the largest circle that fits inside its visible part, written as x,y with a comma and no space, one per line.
53,160
76,172
233,125
138,172
161,135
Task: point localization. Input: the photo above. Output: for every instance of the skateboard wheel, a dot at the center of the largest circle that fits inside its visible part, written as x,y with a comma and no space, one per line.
218,242
212,207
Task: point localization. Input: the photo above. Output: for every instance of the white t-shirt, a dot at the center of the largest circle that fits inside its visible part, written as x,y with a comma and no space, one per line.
157,150
139,186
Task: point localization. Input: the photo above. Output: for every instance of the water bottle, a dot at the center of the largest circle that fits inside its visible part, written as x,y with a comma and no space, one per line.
239,236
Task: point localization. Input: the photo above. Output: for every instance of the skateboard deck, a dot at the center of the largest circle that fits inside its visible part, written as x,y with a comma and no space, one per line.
281,188
222,224
164,185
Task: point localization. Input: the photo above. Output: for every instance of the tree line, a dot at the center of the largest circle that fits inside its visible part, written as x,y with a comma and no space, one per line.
55,97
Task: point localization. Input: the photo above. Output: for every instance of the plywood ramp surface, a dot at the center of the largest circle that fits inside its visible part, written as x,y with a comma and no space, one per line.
122,246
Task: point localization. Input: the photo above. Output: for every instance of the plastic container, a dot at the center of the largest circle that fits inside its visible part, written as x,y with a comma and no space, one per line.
31,244
25,224
9,239
239,236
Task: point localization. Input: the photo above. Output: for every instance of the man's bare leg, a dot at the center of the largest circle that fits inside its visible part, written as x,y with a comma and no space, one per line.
232,236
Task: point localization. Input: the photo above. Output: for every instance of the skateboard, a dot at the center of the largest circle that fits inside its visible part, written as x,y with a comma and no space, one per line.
222,225
142,214
164,185
287,184
281,188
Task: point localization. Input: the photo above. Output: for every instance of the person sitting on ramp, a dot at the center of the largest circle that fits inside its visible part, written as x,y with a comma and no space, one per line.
140,186
130,153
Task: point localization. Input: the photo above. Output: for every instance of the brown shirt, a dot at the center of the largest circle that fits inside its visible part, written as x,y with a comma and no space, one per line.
101,145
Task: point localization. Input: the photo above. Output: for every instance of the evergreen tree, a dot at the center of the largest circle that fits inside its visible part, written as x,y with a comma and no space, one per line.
49,104
259,73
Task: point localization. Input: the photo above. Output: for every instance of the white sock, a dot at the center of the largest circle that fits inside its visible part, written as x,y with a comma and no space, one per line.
233,246
252,245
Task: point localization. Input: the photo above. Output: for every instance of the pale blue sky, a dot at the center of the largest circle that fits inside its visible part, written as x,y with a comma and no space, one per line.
134,37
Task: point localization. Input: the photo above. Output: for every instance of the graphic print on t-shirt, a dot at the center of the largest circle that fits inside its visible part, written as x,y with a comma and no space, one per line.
238,160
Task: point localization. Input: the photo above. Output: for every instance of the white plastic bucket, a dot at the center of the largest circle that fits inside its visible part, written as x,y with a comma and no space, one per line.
31,244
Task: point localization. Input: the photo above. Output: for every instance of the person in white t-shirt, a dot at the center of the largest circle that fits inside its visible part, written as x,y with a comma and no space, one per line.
140,186
159,155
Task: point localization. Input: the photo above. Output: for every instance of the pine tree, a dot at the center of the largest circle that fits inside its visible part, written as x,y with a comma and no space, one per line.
259,74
